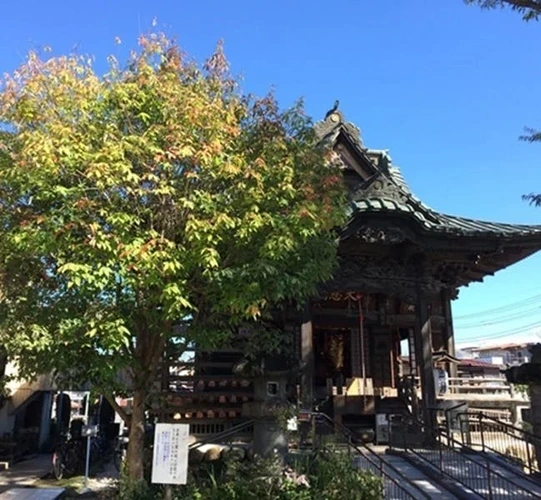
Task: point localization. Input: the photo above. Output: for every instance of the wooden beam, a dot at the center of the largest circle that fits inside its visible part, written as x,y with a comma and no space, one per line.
487,270
474,275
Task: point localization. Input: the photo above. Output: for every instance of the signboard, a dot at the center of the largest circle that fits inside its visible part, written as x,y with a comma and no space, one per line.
170,454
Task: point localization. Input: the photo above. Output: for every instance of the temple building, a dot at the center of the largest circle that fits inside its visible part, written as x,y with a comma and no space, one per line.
401,263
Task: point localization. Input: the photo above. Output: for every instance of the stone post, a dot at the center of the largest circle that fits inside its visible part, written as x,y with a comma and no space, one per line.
268,411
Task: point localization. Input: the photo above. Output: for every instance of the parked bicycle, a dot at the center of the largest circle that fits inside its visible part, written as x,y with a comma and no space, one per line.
120,451
68,458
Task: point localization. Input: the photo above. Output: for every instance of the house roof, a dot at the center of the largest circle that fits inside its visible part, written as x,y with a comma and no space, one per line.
475,363
498,347
462,363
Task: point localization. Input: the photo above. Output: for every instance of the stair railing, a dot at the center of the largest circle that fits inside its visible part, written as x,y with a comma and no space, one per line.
490,435
394,481
442,454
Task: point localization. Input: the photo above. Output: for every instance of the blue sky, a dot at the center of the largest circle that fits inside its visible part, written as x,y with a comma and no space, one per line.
445,87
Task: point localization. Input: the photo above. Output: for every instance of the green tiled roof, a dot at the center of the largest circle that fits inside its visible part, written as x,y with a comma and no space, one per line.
393,195
441,222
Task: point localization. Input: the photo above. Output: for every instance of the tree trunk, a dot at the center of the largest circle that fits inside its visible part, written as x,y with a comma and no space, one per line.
136,445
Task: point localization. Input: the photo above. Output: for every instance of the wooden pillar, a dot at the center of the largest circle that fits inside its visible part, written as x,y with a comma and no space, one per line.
355,353
423,341
307,359
449,330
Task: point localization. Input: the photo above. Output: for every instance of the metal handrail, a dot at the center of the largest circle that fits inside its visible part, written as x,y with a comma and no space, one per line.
374,459
509,431
445,442
237,429
507,425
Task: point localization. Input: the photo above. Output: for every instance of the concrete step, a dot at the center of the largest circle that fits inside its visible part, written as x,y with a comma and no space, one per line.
418,478
470,475
447,483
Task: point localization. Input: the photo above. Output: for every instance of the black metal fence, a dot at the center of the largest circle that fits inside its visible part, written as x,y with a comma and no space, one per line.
476,474
512,444
395,484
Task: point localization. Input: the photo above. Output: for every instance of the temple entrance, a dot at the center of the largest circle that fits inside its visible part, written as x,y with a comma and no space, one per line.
332,356
332,349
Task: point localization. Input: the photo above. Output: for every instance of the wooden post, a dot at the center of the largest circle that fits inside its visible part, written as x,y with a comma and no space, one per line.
168,491
449,330
307,359
423,341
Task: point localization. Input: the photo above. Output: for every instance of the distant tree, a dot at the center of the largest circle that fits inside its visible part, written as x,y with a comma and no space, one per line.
530,9
156,193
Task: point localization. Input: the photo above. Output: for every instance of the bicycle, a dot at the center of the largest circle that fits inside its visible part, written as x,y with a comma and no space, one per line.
67,459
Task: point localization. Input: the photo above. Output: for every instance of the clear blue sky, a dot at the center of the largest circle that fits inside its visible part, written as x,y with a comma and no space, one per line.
446,87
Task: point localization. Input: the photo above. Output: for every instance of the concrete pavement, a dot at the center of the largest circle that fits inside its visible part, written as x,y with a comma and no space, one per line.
26,472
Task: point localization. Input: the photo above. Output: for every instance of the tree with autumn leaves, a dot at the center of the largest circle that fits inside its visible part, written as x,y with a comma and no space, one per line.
155,193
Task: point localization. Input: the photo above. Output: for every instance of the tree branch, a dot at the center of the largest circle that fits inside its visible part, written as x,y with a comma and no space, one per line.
121,412
530,9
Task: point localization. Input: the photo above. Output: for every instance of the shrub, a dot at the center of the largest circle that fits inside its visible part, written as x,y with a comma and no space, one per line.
320,476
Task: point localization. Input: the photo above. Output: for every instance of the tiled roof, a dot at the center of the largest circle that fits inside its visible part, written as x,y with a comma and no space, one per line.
434,221
475,363
498,347
394,195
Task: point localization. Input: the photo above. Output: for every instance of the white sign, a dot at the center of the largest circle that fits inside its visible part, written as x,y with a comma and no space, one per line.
170,455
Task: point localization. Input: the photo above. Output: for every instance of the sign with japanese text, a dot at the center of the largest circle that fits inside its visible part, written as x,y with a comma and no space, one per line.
170,454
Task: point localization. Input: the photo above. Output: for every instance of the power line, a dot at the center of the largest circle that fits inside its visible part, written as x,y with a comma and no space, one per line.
505,333
507,307
503,319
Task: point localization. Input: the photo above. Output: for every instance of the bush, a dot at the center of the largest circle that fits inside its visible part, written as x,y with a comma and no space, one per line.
332,476
321,476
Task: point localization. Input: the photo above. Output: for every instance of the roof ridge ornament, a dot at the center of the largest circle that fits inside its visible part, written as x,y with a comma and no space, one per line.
332,110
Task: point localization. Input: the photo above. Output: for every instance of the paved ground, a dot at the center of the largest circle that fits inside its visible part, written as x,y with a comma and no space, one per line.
32,494
31,473
26,472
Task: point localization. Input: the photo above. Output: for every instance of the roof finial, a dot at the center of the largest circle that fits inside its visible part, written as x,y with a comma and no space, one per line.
333,109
